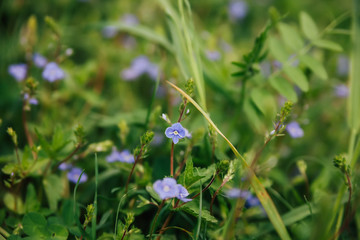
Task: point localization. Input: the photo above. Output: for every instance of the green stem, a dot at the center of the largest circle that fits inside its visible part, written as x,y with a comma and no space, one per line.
133,167
156,217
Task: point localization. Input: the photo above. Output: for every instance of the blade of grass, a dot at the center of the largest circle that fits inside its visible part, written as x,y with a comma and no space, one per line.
259,189
93,223
199,217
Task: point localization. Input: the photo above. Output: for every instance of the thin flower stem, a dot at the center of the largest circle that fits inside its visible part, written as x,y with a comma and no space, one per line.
156,217
172,160
216,193
26,129
138,157
184,161
167,221
124,234
182,111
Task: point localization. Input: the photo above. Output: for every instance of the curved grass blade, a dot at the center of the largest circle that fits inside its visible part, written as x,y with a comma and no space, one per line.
259,189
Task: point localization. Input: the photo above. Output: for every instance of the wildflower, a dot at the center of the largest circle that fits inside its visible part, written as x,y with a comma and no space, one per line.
238,9
39,60
124,156
252,201
187,133
74,174
175,132
341,91
32,100
294,130
166,188
213,55
65,166
130,19
183,193
237,193
18,71
69,52
109,31
53,72
342,66
139,66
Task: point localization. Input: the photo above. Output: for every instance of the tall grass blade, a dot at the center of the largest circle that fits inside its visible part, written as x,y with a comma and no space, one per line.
93,222
259,189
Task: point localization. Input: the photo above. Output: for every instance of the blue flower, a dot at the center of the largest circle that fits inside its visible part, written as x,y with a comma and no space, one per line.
32,100
183,193
74,174
18,71
124,156
39,60
343,66
53,72
341,91
294,130
65,166
139,66
109,31
175,132
238,9
237,193
130,19
166,188
213,55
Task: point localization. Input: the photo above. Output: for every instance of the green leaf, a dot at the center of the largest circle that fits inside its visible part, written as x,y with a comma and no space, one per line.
58,142
264,101
308,26
35,225
31,203
187,178
322,43
316,67
193,209
58,232
13,203
53,189
297,77
277,49
291,36
285,88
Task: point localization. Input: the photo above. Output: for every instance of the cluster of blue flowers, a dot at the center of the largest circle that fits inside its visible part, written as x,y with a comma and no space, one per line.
168,188
124,156
238,10
51,72
74,173
139,66
251,200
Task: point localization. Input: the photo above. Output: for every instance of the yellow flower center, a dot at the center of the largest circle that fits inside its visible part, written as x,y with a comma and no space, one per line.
176,132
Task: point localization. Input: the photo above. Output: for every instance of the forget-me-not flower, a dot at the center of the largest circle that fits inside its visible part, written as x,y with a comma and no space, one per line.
109,31
166,188
341,91
65,166
238,10
175,132
124,156
18,71
294,130
74,174
53,72
129,19
39,60
32,100
139,66
213,55
183,193
251,201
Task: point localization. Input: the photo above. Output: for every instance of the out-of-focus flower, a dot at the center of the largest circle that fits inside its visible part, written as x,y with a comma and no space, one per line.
39,60
252,201
130,19
74,174
238,10
213,55
187,133
341,91
139,66
343,65
183,193
109,31
18,71
32,101
294,130
53,72
164,116
175,132
124,156
237,193
69,52
166,188
265,68
65,166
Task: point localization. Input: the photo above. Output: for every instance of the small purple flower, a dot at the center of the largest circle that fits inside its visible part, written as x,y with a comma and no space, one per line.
213,55
238,10
130,19
53,72
32,101
341,91
175,132
166,188
39,60
183,193
139,66
74,174
18,71
277,64
252,201
65,166
343,66
294,130
187,134
109,31
237,193
124,156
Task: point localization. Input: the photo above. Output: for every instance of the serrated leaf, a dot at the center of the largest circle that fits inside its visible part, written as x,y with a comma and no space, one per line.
285,88
322,43
277,49
187,178
193,209
316,67
53,189
290,36
297,77
308,26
